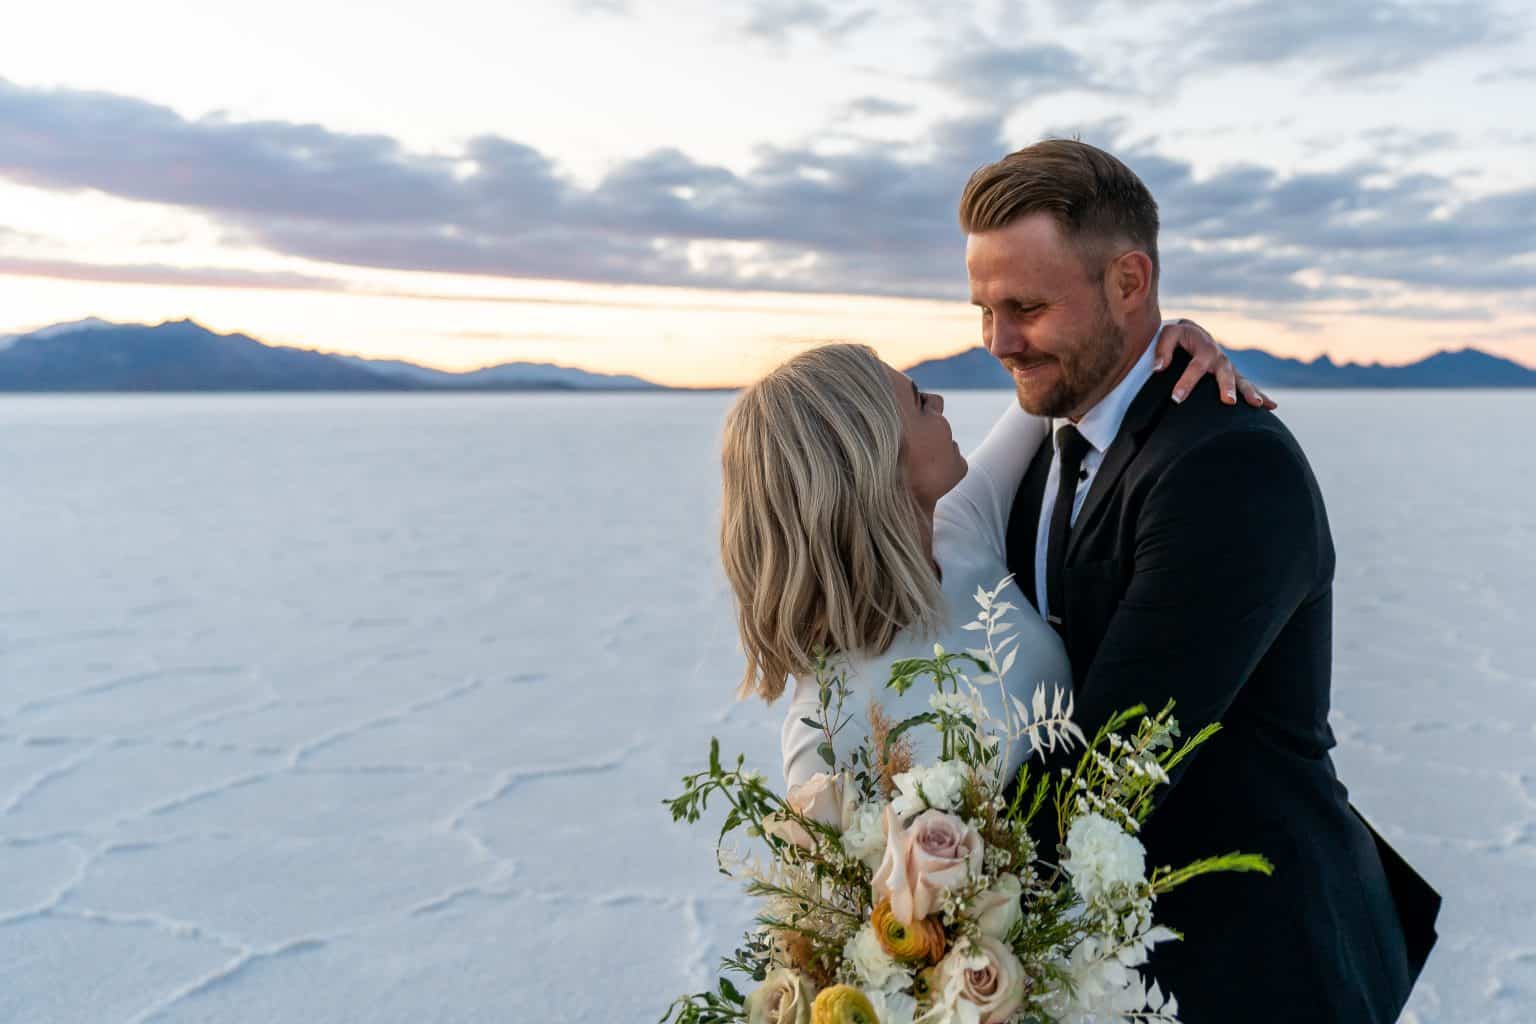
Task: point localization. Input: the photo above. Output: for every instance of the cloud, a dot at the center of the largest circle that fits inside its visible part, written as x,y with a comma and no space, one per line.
1526,73
1345,39
164,274
776,20
1393,141
1350,38
875,218
70,140
1407,233
877,106
1459,314
1017,74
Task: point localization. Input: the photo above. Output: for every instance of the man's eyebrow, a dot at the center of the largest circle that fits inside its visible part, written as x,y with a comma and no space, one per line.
916,398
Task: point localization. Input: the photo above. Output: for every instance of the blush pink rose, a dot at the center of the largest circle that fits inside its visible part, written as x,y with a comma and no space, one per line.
996,988
934,853
826,799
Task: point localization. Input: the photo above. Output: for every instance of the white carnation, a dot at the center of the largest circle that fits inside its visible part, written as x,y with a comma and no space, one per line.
864,838
1102,856
875,968
937,786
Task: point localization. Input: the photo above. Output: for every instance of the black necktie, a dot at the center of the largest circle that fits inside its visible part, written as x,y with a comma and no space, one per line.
1071,446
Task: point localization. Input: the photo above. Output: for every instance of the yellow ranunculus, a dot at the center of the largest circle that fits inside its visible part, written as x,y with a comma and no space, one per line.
842,1004
925,983
920,942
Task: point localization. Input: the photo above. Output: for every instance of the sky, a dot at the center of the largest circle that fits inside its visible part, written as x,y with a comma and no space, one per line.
692,192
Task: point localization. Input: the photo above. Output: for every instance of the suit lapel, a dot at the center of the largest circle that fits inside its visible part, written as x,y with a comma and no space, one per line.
1145,411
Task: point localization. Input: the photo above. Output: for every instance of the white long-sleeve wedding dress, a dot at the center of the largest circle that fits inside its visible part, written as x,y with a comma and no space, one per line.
969,544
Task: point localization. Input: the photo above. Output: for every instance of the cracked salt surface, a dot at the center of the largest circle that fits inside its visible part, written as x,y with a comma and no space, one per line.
362,708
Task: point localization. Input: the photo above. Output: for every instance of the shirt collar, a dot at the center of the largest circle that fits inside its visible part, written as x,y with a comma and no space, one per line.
1101,423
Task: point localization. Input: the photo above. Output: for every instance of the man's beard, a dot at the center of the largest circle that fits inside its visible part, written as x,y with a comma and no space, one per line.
1082,368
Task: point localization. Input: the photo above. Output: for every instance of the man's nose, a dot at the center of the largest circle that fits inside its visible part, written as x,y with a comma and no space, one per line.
1006,339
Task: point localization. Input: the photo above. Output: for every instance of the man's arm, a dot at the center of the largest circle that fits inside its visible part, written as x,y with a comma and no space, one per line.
1228,546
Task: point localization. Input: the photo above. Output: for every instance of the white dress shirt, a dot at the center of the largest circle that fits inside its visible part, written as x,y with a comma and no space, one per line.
1098,427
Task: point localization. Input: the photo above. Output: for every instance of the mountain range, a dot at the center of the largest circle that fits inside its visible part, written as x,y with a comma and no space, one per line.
182,355
1463,368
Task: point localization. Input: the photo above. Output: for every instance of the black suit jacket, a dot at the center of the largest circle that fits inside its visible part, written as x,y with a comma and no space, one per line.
1200,569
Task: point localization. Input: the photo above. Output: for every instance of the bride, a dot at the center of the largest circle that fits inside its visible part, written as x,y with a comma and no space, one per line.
852,526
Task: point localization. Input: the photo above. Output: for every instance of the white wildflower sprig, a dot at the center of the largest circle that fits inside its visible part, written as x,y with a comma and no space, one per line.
1045,725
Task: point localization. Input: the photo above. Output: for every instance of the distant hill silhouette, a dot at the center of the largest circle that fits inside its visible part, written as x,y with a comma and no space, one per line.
93,355
520,375
1466,368
182,355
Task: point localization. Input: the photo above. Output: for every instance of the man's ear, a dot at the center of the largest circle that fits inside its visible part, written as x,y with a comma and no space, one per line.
1128,282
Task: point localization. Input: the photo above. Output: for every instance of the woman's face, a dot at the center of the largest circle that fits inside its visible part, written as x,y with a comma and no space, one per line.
929,455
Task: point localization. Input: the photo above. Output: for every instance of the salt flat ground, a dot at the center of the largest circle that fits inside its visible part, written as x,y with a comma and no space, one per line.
362,708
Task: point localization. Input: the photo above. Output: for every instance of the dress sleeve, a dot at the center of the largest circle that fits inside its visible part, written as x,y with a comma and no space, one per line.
797,741
981,501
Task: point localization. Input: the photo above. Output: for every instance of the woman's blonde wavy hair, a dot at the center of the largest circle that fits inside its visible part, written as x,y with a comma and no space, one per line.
821,538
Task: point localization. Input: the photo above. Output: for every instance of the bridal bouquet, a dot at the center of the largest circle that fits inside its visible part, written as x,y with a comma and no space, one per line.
902,893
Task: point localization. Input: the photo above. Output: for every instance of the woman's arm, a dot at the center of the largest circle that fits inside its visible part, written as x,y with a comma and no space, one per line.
994,468
798,742
1208,358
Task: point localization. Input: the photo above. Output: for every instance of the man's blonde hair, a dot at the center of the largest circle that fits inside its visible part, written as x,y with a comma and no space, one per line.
1094,198
820,536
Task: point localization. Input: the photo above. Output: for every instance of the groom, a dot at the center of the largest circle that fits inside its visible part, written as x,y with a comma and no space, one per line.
1181,549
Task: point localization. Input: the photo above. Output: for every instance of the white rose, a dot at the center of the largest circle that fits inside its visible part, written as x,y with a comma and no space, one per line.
864,838
784,997
990,978
1102,856
875,968
997,909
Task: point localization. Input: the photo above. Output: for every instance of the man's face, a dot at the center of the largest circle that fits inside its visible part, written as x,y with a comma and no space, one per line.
1043,316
